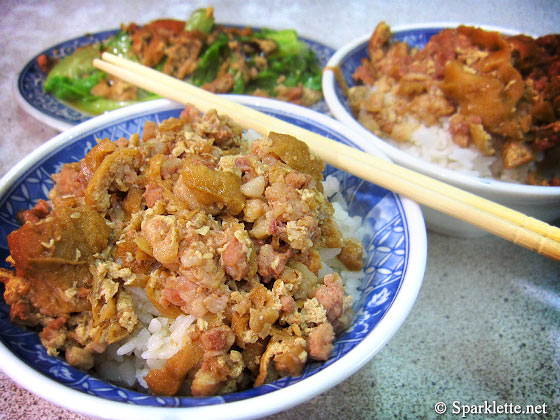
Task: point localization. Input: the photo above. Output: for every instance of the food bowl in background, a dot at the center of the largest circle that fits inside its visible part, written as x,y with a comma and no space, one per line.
536,201
30,94
395,248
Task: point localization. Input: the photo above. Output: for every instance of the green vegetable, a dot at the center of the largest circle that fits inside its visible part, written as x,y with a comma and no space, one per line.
210,61
200,20
73,77
286,41
120,44
293,60
69,89
239,85
100,105
76,65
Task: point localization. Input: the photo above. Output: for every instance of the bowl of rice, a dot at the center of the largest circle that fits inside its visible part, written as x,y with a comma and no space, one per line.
159,262
406,90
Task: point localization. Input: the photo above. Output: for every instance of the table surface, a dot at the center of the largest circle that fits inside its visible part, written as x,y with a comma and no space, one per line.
486,324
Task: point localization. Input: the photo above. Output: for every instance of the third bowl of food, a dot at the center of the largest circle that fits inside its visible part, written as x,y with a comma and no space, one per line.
473,106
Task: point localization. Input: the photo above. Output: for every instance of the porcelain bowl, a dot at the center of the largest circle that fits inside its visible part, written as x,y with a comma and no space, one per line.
394,241
536,201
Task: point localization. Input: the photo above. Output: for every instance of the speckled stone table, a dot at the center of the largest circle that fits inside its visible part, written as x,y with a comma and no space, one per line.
486,325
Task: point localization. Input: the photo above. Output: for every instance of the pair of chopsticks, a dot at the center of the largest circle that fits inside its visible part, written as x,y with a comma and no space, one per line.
499,220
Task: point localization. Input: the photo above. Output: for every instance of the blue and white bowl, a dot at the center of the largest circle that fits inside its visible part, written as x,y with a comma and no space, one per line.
540,202
395,244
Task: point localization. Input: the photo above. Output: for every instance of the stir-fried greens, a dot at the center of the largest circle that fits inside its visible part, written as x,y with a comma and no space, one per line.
271,63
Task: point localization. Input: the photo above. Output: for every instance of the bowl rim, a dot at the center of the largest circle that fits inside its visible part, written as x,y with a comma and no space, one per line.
259,406
399,156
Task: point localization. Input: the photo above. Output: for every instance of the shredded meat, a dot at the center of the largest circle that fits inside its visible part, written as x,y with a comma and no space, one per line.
330,295
319,341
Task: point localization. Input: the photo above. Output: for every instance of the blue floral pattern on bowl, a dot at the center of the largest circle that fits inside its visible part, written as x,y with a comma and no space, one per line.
386,241
31,79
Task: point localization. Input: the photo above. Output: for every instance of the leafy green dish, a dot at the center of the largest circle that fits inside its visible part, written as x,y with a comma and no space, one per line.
221,59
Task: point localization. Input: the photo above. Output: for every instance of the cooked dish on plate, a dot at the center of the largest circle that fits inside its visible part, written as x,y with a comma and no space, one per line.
197,259
471,99
221,59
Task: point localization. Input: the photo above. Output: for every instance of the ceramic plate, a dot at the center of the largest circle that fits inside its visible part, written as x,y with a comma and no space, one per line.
395,244
53,112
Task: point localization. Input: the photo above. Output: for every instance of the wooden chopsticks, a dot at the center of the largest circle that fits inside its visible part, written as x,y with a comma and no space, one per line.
499,220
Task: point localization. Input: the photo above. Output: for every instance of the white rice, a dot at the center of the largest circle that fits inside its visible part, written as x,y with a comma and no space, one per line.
331,187
149,347
351,227
158,338
251,135
435,144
